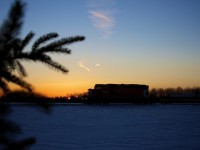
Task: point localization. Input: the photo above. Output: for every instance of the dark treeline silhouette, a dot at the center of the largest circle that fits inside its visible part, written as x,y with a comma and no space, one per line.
169,95
12,52
175,92
160,95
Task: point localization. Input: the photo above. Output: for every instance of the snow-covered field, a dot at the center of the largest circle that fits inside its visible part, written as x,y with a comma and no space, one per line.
112,127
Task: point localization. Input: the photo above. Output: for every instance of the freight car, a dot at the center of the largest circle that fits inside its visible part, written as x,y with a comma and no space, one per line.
107,93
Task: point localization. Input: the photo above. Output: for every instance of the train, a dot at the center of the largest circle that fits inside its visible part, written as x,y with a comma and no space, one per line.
119,93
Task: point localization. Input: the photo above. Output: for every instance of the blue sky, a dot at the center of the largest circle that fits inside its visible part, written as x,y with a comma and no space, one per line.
154,42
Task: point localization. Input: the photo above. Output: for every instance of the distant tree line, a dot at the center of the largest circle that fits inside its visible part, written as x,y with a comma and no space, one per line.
175,92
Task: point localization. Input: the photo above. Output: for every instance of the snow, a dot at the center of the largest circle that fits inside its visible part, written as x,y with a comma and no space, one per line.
113,127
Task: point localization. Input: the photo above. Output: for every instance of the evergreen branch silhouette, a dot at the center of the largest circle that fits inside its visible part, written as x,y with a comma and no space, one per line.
49,62
56,66
55,50
43,39
61,42
12,25
20,145
13,78
21,70
4,86
27,39
45,59
12,46
11,55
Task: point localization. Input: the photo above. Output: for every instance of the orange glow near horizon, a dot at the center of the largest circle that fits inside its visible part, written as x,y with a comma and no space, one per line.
78,80
74,89
158,46
54,92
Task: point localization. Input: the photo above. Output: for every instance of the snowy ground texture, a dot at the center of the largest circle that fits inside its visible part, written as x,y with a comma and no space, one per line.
112,127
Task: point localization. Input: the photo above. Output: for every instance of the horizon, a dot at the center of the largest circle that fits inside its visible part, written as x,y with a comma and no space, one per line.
155,43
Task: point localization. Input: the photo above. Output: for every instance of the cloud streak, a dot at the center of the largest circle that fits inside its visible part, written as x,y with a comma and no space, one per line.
102,18
102,21
97,65
81,64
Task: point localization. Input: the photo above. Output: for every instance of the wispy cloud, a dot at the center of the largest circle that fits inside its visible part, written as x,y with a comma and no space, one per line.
82,65
97,65
102,18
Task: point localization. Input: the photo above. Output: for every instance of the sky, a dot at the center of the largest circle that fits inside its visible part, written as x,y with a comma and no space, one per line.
152,42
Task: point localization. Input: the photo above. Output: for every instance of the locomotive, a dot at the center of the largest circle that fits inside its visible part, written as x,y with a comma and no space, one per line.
118,93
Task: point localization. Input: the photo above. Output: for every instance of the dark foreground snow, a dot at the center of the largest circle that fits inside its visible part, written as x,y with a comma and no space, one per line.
112,127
